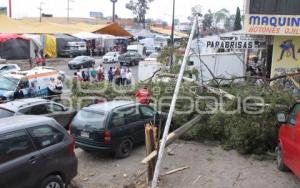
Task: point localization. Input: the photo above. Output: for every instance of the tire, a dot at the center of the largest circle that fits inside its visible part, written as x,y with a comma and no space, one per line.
52,182
121,63
279,158
124,149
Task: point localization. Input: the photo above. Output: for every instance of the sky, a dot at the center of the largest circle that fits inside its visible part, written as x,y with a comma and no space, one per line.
159,9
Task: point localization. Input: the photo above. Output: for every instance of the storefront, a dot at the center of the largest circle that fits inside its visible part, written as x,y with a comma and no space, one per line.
280,22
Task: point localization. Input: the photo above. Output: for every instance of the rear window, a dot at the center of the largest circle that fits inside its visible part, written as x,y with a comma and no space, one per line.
89,118
5,113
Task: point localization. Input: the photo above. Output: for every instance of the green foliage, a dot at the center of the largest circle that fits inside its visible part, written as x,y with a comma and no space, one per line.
246,133
238,20
208,20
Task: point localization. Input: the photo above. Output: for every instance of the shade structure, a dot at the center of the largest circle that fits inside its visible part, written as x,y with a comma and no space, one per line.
8,25
168,32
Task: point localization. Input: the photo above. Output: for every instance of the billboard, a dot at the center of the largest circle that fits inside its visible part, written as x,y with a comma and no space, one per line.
286,55
96,14
283,25
233,41
3,11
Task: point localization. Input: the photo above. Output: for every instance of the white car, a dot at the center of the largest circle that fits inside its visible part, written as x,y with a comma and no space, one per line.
111,57
9,68
152,57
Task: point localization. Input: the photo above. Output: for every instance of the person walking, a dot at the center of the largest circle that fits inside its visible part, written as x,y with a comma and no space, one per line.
110,75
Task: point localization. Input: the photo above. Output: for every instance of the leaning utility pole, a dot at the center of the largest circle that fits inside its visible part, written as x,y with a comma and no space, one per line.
114,8
173,104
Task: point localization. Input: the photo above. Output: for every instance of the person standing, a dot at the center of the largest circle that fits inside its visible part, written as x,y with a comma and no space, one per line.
123,76
143,96
93,75
118,76
101,73
83,76
128,77
110,75
18,94
87,75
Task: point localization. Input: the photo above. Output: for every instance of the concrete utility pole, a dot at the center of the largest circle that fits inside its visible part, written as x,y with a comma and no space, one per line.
173,104
68,9
41,9
10,8
172,35
114,7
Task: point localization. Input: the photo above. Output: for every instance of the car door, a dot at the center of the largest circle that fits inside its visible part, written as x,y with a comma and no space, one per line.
134,121
20,162
49,141
288,137
61,114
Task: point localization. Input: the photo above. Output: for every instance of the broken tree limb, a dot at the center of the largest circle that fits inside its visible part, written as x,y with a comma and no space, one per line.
174,135
175,170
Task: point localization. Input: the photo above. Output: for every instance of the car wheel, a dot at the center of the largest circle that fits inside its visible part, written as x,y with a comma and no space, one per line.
121,63
124,149
279,157
52,182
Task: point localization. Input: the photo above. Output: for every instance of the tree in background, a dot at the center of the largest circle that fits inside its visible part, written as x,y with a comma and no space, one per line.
222,15
139,8
238,20
208,21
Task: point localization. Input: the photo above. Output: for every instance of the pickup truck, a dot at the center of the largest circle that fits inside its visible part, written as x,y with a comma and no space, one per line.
288,149
130,59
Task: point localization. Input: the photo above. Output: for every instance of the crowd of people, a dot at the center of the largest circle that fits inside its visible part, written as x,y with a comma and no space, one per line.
117,75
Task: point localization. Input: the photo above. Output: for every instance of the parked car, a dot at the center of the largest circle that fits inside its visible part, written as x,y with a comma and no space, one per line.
130,59
152,57
288,149
73,49
114,126
82,62
35,151
111,57
34,106
9,68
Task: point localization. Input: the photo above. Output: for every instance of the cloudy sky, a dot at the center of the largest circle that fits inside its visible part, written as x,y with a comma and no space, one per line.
159,9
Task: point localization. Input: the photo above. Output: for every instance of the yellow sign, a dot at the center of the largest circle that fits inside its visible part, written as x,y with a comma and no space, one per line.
283,25
286,55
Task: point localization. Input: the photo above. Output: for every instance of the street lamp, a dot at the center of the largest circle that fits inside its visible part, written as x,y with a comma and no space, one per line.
113,15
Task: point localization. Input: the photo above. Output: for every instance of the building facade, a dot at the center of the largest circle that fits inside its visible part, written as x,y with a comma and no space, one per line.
280,21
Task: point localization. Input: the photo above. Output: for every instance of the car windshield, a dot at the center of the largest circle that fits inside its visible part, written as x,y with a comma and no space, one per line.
79,58
110,54
5,113
87,118
153,55
8,83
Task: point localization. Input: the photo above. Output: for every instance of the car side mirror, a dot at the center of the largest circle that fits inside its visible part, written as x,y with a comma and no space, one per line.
281,117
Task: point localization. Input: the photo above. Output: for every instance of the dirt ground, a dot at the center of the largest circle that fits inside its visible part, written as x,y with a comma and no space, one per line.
210,167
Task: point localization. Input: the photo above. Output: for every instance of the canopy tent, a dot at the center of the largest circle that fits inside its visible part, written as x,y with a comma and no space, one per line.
168,32
14,47
87,36
8,25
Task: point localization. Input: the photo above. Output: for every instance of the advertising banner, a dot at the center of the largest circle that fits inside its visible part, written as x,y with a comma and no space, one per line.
283,25
239,42
286,55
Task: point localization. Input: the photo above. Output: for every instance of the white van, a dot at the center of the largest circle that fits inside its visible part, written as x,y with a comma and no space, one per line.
141,49
39,79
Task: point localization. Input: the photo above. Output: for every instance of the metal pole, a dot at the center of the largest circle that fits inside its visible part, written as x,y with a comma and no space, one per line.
172,107
113,15
40,11
68,11
10,8
172,34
